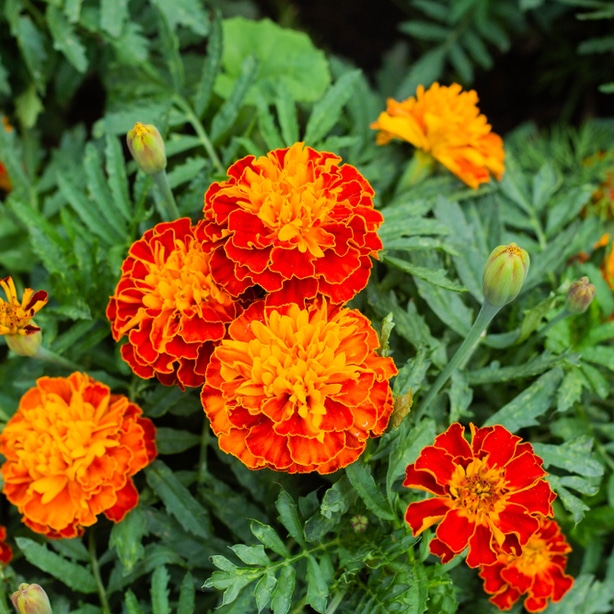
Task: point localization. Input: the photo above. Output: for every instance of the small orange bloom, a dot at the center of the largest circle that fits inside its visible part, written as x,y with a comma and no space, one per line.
298,390
537,572
488,494
15,315
295,222
6,553
447,124
71,450
169,306
607,264
5,181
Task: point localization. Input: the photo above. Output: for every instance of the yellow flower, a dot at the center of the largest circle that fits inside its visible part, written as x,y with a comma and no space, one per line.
447,124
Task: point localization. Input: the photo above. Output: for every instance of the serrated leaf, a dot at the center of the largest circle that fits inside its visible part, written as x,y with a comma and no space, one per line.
178,500
574,455
211,66
65,39
174,441
424,30
267,536
570,390
286,114
117,178
126,536
360,476
574,505
435,277
424,71
267,127
461,63
252,555
169,48
477,49
288,515
31,42
326,111
73,575
113,14
28,107
281,600
533,402
545,184
132,603
188,13
263,590
600,355
317,585
186,172
187,595
160,591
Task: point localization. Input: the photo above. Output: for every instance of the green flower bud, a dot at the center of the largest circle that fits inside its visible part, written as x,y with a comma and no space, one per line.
31,599
580,295
147,148
359,523
504,273
25,345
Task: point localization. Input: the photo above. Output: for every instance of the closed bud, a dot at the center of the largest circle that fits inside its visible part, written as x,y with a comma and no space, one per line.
31,599
580,295
147,148
504,273
359,523
25,345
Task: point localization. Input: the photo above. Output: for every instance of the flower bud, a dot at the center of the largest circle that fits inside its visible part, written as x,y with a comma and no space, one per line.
31,599
25,345
359,523
147,148
580,295
504,273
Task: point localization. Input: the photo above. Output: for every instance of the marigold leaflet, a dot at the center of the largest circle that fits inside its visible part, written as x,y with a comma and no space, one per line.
446,123
15,315
538,572
298,389
71,450
296,223
6,552
488,493
168,305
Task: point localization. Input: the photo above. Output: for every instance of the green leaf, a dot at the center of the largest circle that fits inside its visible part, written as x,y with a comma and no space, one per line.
575,455
117,178
229,111
174,441
132,603
263,590
288,515
74,576
533,402
187,595
281,600
169,49
317,584
423,72
5,87
326,111
283,56
252,555
434,277
267,536
461,63
178,500
570,390
477,49
267,127
211,66
113,15
424,30
587,595
160,591
65,39
545,184
28,107
360,476
32,45
188,13
600,355
127,535
286,114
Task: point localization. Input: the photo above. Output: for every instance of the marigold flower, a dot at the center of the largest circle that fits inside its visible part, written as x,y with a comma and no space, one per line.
294,222
6,552
447,124
537,572
5,180
169,306
298,390
488,494
71,450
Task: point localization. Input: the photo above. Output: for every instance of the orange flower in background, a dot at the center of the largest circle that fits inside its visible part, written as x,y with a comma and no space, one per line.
6,553
537,572
169,306
446,123
5,181
15,315
71,450
298,390
488,494
296,223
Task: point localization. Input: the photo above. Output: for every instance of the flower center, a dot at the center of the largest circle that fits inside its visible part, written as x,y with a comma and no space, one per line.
479,491
535,557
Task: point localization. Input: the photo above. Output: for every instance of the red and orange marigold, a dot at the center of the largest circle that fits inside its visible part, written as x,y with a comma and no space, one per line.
5,180
538,572
488,493
298,389
71,450
168,305
296,223
446,123
6,553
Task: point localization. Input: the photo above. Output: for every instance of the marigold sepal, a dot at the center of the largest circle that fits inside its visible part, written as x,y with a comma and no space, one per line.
580,295
147,148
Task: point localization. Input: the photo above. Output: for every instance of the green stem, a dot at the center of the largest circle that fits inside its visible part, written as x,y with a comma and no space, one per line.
419,168
4,608
169,210
104,602
202,460
486,314
335,602
48,356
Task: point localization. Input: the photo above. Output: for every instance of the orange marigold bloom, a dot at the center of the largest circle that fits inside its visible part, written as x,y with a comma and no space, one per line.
296,223
6,553
169,306
447,124
71,450
298,390
15,315
5,181
537,572
488,494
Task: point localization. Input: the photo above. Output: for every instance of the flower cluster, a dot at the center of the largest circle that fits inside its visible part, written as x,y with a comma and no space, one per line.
249,302
490,496
446,123
71,450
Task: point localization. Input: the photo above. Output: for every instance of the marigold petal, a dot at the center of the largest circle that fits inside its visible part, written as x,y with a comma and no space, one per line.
421,515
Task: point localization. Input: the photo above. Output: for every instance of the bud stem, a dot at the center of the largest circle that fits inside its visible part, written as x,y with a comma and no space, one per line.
486,314
419,168
168,207
49,356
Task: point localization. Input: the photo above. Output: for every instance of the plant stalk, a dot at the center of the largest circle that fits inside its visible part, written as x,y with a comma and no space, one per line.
169,210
